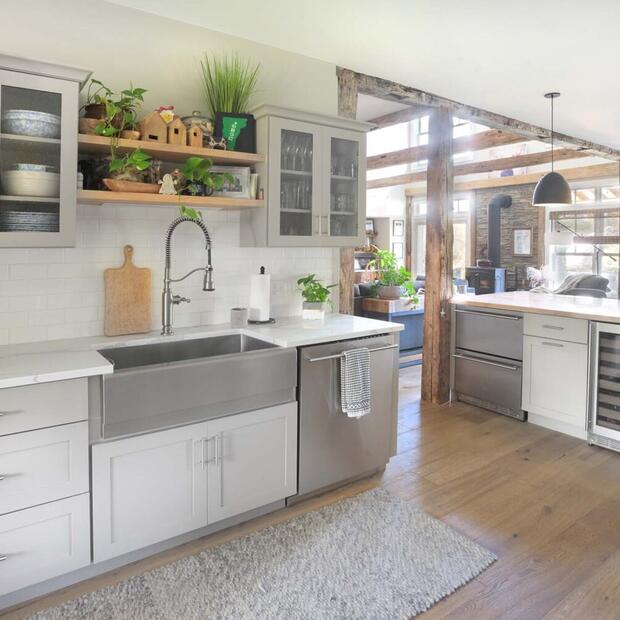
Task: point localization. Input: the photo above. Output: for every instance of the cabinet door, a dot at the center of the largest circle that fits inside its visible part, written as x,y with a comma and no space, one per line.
254,460
38,153
44,465
147,489
43,542
294,183
344,208
555,380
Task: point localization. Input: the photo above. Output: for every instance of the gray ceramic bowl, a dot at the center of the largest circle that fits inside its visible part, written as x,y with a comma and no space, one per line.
31,123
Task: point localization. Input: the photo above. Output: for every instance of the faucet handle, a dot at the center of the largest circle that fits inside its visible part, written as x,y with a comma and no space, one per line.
177,299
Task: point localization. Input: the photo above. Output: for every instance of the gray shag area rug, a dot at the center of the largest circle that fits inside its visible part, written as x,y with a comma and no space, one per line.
373,556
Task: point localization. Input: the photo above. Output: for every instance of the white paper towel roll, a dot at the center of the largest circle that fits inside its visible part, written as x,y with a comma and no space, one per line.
260,288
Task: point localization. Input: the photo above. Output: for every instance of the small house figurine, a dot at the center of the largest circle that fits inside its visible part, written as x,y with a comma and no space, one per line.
195,136
177,132
153,128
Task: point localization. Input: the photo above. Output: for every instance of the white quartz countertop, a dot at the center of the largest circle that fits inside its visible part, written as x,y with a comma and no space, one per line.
591,308
56,360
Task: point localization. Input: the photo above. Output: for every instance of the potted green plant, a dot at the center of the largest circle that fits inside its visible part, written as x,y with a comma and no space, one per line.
198,180
392,278
315,296
127,173
95,106
229,84
121,114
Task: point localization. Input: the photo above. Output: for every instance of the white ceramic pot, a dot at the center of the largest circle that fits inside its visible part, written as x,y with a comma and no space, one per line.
313,310
389,292
31,183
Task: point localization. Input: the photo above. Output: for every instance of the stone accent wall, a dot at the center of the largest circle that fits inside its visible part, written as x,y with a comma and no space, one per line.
520,215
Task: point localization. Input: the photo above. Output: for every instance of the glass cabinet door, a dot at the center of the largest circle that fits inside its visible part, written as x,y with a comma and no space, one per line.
293,183
296,174
37,160
344,198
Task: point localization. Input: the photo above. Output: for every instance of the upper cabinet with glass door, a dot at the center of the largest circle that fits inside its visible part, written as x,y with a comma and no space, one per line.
314,179
38,152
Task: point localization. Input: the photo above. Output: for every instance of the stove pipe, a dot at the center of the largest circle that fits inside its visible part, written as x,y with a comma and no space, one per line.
497,203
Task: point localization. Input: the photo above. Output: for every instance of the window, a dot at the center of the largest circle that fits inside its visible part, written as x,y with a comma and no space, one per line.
587,194
601,229
461,242
610,194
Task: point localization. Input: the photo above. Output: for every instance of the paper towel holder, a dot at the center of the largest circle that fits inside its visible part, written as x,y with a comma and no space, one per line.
268,321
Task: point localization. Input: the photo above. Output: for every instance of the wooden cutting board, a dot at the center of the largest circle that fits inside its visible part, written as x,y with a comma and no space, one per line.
127,298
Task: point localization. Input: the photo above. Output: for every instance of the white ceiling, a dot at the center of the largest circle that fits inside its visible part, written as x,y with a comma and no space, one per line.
502,56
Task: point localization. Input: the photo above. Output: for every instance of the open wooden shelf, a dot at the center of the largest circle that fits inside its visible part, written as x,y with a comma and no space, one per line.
88,143
96,197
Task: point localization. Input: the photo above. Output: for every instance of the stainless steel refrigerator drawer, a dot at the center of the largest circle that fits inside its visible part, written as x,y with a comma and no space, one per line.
489,382
493,333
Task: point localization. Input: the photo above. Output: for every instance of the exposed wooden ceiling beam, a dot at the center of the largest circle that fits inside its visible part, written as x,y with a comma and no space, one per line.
475,142
392,91
595,171
477,167
400,116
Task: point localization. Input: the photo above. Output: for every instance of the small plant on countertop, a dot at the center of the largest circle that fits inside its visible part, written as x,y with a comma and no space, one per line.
313,291
229,83
199,180
126,167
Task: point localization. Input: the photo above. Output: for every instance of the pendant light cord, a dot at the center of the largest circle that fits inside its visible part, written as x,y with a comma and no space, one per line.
552,162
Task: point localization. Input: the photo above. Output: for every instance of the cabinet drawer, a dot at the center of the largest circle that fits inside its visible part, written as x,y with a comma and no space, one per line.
492,332
43,542
42,466
557,327
45,404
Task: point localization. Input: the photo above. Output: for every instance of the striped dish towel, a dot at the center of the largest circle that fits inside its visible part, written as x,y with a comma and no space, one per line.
355,382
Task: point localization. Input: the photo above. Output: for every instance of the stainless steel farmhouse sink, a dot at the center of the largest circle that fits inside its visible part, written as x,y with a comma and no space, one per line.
155,386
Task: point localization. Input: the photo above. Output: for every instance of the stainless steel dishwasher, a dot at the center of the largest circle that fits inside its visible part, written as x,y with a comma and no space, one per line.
334,448
487,359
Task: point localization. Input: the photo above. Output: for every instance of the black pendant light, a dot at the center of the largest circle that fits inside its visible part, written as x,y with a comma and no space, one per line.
552,189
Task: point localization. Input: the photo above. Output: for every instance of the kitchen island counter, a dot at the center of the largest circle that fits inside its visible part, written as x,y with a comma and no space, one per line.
590,308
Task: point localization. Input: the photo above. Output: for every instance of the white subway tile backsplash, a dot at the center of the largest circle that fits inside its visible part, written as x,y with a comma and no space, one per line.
52,293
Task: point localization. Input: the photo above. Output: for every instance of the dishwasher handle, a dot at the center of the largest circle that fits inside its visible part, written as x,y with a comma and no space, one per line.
488,362
340,355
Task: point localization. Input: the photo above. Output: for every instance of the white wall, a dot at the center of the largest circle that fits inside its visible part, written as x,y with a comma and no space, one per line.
58,293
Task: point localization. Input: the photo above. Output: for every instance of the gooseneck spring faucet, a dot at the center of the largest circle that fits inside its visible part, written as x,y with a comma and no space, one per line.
168,299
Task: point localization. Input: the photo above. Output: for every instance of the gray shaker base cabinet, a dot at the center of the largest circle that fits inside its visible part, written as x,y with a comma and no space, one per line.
149,488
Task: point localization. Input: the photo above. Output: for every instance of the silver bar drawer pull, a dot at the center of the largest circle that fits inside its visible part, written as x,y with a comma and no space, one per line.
552,344
487,362
339,355
2,477
3,557
508,317
554,327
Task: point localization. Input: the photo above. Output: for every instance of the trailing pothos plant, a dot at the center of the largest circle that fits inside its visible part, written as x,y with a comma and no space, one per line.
120,113
313,291
135,161
196,172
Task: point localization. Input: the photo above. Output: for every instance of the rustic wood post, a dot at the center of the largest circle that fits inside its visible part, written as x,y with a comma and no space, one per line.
347,107
438,285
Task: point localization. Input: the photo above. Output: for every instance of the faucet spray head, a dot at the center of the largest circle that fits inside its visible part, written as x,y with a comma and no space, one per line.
207,283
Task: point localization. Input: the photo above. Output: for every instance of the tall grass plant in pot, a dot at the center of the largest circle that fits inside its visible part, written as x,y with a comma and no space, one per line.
229,83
